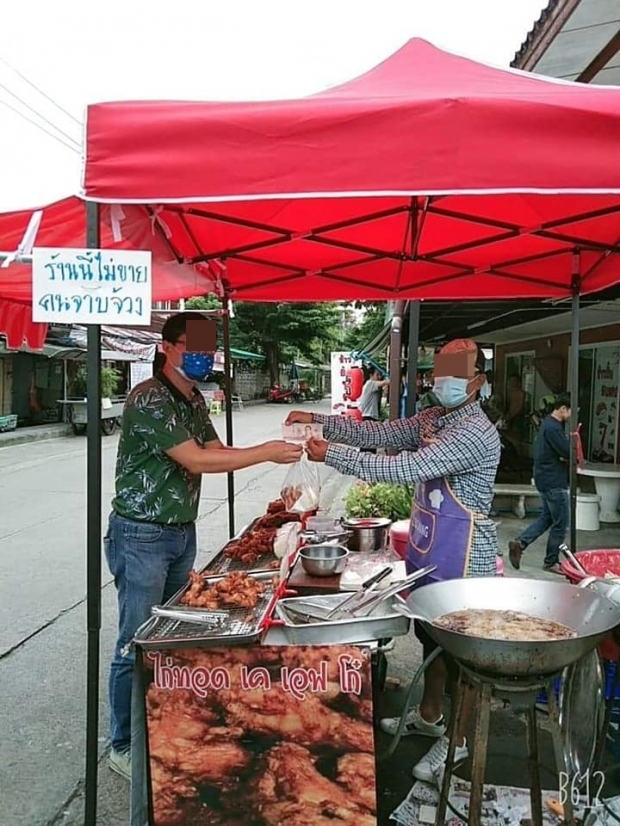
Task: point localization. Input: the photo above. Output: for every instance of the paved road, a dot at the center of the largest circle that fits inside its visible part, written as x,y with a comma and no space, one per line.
42,616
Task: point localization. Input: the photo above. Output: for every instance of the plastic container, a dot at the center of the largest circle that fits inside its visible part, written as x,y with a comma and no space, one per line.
399,534
597,563
587,514
320,524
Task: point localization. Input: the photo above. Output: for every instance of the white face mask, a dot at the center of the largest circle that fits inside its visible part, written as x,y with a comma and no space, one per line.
450,391
485,391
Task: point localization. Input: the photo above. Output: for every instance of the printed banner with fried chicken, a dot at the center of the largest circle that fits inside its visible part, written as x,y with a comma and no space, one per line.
278,736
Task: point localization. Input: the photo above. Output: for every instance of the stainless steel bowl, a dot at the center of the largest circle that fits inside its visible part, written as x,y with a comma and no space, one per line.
369,534
323,560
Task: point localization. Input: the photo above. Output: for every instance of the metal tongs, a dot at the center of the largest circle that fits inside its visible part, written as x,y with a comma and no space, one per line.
369,603
364,604
367,586
573,559
195,615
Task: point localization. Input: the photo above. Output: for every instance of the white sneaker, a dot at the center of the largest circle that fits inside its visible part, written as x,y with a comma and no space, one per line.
120,762
415,724
429,768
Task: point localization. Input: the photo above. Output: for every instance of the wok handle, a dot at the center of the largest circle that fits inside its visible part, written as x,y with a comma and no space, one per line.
400,606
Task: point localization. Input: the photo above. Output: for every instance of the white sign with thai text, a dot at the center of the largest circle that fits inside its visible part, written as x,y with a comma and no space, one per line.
82,286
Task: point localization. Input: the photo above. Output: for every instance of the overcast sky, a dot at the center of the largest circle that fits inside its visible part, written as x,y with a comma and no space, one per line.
81,51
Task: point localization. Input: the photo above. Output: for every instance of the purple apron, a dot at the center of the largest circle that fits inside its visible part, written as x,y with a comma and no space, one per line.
440,533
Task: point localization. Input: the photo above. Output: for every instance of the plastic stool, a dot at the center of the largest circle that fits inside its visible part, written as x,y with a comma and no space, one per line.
215,408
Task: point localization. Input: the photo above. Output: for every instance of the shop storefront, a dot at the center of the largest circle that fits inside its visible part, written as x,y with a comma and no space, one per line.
538,368
598,400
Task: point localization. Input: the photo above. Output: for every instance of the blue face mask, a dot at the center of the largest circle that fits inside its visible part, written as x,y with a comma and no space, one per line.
196,366
450,391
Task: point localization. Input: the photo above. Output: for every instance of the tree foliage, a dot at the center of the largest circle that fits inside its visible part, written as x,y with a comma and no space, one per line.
285,331
370,326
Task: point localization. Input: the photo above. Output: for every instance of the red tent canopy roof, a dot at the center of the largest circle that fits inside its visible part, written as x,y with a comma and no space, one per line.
422,122
430,176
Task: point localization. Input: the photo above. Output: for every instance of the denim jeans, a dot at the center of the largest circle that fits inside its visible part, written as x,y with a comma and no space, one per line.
554,518
149,563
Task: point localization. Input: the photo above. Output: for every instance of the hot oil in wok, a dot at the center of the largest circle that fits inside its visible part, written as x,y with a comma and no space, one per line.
512,626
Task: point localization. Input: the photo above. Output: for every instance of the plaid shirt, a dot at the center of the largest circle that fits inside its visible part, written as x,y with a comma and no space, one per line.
465,451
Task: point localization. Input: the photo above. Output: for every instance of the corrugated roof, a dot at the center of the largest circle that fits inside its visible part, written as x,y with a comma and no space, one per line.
537,29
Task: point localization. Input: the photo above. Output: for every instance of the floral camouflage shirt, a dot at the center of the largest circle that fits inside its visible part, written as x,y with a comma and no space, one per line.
150,486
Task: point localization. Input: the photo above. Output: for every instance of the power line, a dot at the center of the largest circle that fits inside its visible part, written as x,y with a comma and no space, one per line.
72,147
39,115
40,91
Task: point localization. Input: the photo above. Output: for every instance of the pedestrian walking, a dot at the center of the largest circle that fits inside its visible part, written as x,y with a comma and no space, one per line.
551,456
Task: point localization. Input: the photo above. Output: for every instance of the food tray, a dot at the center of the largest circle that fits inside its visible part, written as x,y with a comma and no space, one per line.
242,627
382,623
222,564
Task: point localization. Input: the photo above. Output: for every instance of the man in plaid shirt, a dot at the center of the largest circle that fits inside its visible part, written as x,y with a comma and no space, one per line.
451,454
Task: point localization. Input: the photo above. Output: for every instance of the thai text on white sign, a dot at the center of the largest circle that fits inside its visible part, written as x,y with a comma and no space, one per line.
91,286
343,369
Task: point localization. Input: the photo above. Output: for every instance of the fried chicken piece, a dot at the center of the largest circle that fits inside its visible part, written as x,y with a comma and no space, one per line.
187,744
292,791
276,713
291,495
277,506
276,520
357,773
252,545
203,815
180,702
170,792
237,590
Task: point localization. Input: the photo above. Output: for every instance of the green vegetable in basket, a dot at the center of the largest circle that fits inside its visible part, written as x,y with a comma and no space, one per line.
379,500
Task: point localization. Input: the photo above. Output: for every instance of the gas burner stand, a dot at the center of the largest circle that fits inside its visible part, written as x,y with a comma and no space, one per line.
520,693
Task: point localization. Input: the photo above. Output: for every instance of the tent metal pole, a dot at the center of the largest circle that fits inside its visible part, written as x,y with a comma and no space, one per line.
574,393
228,410
396,336
93,541
412,356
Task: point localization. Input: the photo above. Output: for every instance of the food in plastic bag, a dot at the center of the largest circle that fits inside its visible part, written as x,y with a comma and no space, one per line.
302,487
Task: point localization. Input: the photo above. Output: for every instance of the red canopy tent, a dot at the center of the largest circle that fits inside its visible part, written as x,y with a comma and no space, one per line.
431,176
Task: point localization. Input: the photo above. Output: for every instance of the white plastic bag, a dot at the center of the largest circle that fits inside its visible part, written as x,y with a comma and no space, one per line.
302,487
286,539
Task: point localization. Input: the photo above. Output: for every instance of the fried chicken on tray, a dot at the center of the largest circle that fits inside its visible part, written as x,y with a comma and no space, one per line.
258,542
237,590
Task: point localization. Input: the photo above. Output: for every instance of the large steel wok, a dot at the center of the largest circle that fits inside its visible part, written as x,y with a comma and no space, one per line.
589,613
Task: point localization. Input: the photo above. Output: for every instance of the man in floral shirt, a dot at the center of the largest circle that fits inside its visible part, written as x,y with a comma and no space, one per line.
167,443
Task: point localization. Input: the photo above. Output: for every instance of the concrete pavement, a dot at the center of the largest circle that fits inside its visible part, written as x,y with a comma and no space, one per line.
43,636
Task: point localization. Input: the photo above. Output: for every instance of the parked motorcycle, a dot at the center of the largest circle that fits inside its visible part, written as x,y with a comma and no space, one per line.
282,395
